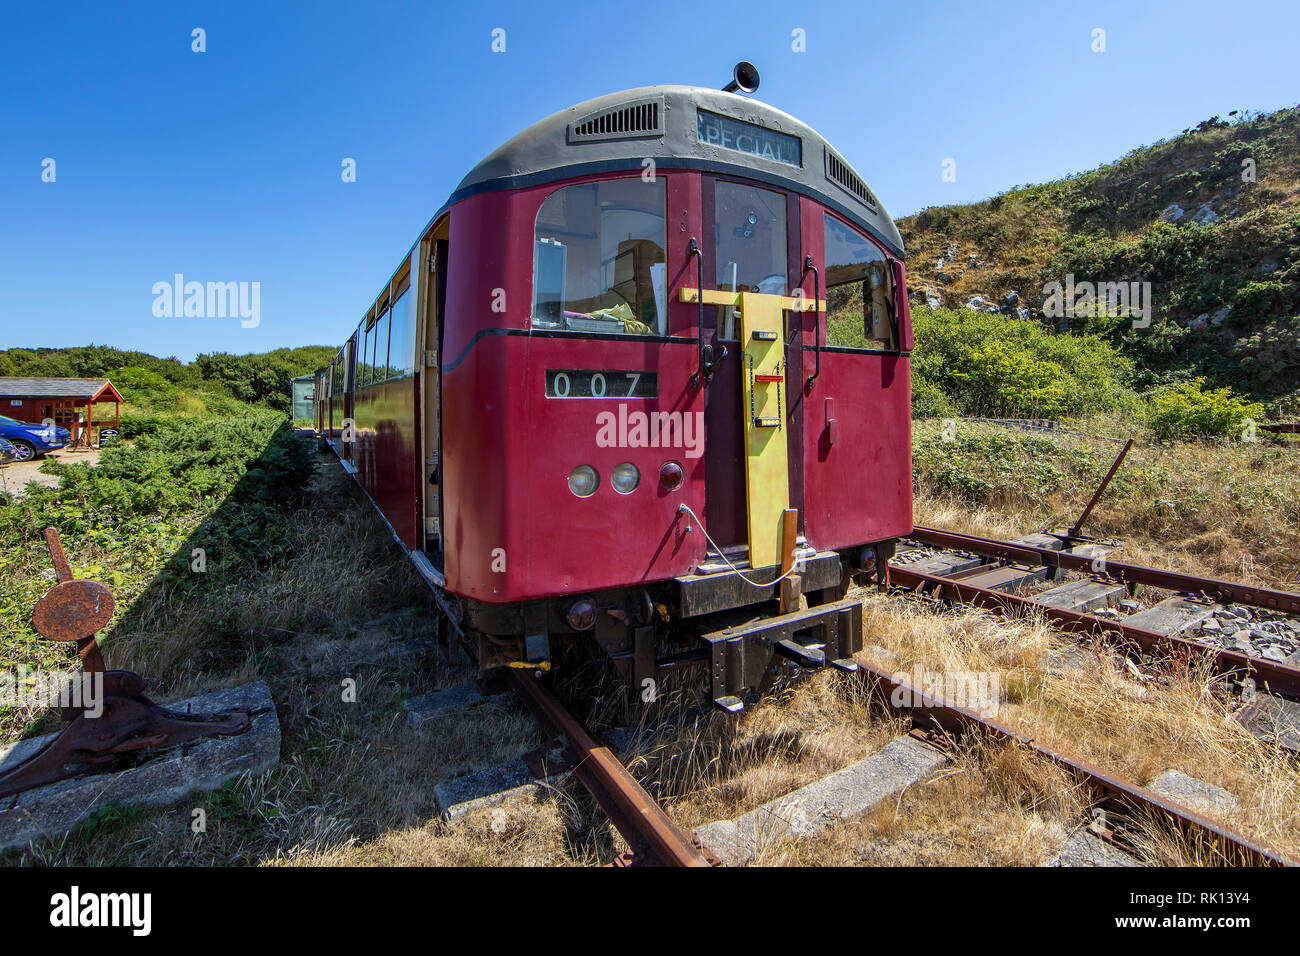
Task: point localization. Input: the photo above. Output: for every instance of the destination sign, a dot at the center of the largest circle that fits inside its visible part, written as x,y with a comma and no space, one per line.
716,130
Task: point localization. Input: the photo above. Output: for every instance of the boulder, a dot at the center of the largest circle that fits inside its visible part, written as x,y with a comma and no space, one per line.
1172,213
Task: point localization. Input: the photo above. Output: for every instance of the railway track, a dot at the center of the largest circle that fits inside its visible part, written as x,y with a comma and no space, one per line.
1127,810
654,839
1124,803
999,568
1007,565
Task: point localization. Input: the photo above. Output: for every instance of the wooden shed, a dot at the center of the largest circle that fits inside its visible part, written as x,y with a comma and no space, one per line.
70,402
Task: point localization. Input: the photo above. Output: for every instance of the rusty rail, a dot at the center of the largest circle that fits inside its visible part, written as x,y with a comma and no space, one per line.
1268,675
652,835
1115,570
1110,792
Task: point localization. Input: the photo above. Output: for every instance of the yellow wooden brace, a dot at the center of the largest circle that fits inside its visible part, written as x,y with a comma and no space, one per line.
763,397
788,303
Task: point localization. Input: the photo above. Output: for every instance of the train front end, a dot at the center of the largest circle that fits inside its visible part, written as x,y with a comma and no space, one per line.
675,390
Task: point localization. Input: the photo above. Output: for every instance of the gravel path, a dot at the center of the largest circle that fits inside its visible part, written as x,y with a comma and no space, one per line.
14,477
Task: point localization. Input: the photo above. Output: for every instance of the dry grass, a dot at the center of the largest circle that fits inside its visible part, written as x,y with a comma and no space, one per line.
355,784
993,806
723,767
1180,719
1228,511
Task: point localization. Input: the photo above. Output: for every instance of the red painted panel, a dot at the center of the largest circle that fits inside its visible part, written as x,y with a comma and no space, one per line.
513,529
858,488
387,453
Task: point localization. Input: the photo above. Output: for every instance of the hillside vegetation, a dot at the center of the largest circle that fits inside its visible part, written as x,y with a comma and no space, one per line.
218,383
1210,219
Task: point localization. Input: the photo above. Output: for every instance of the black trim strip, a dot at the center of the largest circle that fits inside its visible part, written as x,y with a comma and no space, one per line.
575,170
565,334
849,349
617,337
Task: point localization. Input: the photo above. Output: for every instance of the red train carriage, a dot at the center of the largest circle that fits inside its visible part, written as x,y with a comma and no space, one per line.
634,338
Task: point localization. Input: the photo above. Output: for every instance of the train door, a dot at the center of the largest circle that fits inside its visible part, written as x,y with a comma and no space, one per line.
434,251
754,403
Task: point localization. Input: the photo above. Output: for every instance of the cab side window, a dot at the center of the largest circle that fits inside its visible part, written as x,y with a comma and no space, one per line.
861,310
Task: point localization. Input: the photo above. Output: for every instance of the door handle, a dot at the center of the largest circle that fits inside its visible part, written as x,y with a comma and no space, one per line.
817,320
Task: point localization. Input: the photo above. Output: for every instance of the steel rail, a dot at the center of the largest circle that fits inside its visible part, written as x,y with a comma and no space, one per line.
1115,570
1110,792
650,832
1268,675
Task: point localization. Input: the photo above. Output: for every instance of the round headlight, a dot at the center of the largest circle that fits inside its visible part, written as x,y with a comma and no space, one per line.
625,478
583,481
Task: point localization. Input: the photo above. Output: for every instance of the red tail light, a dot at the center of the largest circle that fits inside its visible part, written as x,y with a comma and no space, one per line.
671,475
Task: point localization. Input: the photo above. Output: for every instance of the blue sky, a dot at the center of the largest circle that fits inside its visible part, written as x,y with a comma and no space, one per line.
225,165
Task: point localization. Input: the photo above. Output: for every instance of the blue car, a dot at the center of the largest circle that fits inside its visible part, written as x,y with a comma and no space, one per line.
31,441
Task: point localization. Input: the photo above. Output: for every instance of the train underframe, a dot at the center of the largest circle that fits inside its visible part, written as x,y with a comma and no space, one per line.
719,621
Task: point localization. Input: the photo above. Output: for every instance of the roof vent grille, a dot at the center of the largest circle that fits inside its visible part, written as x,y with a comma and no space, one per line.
628,121
838,172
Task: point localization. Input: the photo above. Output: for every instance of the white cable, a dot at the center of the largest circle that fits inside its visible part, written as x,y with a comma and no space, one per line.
722,554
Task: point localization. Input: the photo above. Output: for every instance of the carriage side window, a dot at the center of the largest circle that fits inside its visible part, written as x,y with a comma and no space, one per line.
401,347
340,370
860,306
598,258
380,361
367,350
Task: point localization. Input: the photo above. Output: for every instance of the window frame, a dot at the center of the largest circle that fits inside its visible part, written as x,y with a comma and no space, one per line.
407,367
894,346
379,370
793,242
664,239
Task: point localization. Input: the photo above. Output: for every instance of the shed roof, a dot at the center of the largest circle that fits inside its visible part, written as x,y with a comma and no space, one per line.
78,388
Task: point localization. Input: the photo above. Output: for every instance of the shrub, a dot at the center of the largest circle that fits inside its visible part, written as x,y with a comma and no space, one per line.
929,401
1190,411
996,365
139,424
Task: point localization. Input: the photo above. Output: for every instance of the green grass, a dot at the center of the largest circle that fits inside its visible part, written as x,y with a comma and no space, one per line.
226,486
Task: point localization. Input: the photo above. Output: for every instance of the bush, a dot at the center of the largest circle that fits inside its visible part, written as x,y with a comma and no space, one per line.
139,424
1189,411
996,365
929,401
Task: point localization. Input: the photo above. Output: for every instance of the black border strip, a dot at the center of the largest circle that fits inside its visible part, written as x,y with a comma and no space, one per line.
558,334
619,337
576,170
